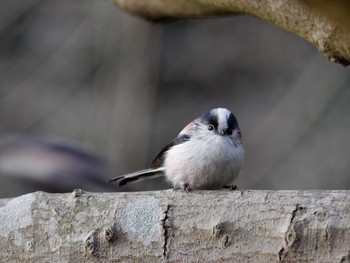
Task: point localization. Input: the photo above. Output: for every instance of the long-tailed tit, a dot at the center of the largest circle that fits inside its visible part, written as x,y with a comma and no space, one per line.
207,154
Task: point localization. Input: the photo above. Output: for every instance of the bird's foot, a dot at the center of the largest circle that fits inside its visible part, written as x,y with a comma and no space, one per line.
231,187
187,188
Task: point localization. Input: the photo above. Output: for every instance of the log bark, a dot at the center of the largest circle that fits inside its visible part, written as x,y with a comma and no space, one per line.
326,32
172,226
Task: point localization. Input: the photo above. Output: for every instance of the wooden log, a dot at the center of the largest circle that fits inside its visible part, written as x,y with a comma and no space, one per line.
172,226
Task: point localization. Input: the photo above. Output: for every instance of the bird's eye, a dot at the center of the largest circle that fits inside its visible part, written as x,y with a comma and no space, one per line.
210,127
229,131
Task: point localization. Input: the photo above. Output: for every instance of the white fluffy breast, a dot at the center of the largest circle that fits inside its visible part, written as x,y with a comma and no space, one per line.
204,164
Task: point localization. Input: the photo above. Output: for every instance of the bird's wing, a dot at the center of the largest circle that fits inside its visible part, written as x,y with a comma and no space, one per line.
156,169
159,159
183,136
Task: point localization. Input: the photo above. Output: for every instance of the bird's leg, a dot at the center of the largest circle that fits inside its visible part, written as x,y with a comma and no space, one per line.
186,188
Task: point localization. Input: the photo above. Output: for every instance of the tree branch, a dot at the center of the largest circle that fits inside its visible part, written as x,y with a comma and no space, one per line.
210,226
327,34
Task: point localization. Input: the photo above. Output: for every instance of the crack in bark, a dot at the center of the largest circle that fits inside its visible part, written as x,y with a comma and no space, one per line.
281,254
167,230
290,236
91,244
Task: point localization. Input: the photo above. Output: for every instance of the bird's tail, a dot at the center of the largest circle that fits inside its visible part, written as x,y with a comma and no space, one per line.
138,176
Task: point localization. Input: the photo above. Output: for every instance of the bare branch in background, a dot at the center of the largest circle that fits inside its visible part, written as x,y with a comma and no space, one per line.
304,18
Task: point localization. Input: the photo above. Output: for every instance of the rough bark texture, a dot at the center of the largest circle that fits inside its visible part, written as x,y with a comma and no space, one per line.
172,226
328,35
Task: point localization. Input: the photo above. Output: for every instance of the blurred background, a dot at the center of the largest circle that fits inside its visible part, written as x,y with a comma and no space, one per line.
89,92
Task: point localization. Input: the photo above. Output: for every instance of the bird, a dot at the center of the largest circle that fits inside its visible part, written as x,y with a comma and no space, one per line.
206,155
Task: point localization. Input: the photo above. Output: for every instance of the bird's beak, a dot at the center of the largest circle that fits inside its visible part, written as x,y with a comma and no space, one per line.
222,132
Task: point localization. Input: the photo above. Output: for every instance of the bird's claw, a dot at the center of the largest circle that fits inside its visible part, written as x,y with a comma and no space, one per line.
187,189
231,187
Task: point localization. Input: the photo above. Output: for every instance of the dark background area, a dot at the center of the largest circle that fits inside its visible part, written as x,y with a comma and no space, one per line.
119,87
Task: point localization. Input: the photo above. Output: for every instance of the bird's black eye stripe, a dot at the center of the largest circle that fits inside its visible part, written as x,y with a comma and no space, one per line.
232,122
210,119
229,131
